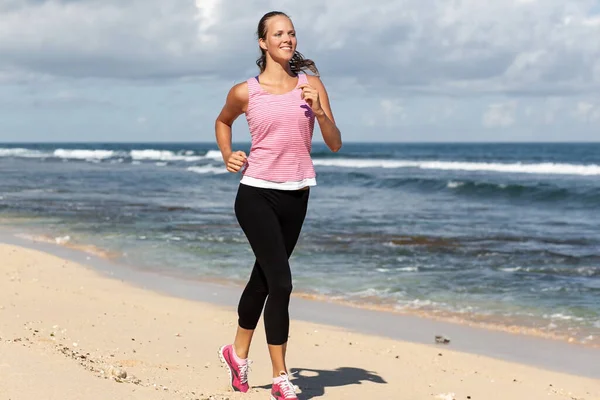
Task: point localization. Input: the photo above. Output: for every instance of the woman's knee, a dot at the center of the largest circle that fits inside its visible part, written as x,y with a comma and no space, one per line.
281,288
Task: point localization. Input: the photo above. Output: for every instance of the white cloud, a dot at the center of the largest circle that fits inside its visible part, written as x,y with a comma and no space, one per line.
390,112
133,39
499,115
592,21
545,111
207,17
587,112
393,111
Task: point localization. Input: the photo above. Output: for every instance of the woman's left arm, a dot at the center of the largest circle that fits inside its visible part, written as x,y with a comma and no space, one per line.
316,96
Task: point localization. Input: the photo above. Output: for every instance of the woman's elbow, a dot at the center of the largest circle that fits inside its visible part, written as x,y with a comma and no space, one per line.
335,147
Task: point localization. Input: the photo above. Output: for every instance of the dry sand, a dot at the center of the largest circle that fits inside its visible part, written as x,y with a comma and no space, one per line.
69,332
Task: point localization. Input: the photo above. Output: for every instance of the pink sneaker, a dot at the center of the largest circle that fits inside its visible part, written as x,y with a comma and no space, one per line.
283,389
238,372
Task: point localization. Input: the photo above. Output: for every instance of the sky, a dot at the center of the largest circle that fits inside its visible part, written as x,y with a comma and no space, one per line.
395,70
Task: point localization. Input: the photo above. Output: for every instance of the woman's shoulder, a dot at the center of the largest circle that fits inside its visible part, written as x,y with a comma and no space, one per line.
313,80
240,87
239,91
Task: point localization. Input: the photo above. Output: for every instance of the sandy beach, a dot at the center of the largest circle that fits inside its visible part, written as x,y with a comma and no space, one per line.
68,331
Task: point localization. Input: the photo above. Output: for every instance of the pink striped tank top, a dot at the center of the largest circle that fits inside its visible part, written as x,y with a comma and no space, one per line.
281,127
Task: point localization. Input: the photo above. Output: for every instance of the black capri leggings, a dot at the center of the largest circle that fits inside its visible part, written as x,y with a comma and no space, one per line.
272,220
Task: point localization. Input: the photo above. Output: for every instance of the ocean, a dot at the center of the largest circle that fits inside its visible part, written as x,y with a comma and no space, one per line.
501,235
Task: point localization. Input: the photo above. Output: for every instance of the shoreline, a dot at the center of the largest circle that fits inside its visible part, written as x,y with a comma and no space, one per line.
481,321
523,348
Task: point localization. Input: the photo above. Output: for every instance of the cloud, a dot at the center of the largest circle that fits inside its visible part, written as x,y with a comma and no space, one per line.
451,48
106,39
393,112
500,115
587,112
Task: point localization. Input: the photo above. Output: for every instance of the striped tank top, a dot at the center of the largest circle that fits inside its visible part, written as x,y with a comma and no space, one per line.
281,127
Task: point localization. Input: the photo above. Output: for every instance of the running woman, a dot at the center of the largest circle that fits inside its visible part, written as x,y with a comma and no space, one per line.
280,105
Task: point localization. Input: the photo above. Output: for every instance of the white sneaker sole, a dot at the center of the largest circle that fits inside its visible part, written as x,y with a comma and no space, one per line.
222,359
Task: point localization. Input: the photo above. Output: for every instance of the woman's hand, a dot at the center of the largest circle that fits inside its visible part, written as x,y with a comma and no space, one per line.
311,96
235,160
315,95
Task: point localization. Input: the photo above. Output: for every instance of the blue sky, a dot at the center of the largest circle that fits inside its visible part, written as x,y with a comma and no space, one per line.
404,70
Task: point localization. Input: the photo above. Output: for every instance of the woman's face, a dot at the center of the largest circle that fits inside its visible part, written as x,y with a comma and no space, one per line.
280,41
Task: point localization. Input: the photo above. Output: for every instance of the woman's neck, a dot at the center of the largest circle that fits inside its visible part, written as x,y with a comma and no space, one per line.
275,72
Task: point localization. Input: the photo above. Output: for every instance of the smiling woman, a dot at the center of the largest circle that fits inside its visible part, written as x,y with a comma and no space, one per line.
297,63
281,105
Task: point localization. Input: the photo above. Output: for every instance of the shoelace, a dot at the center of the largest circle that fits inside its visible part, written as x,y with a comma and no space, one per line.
244,368
289,390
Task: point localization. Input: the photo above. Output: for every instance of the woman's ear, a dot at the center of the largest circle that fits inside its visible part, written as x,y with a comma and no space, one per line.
262,44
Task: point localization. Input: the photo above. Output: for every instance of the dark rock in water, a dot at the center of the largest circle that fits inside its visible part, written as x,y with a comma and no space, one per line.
442,339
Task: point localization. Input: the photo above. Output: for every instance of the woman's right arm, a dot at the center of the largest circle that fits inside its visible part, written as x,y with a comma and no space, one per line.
235,105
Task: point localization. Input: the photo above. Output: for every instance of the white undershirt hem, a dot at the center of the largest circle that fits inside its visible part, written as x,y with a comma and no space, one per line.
290,185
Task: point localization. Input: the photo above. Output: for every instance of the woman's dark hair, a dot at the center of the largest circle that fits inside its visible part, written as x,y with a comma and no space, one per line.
297,63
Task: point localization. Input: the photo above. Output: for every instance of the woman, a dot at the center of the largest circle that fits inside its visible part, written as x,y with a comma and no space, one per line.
281,105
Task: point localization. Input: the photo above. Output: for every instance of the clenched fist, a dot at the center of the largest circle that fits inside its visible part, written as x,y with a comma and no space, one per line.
235,161
311,96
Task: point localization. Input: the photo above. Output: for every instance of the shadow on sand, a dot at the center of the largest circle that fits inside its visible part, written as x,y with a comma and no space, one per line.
313,382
